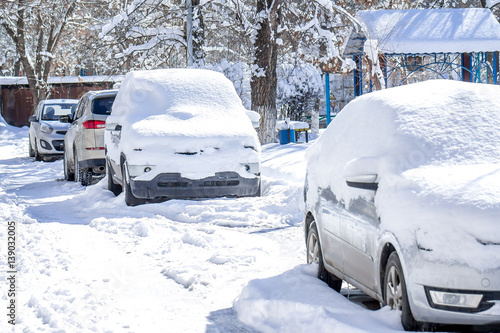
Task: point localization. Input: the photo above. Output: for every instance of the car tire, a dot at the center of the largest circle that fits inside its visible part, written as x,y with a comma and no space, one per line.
259,190
38,157
130,199
115,188
78,172
68,175
31,151
315,255
86,177
395,294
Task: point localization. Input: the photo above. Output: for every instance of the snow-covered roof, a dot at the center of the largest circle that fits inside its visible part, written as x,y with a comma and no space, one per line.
22,80
427,31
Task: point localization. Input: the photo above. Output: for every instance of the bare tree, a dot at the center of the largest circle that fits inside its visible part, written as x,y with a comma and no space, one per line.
35,28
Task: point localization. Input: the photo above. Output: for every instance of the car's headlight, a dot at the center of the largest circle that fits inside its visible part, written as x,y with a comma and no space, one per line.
46,128
137,170
455,299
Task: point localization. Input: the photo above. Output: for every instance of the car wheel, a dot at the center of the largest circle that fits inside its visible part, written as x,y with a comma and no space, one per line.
395,292
38,157
68,175
115,188
315,255
86,177
31,150
259,190
130,199
78,172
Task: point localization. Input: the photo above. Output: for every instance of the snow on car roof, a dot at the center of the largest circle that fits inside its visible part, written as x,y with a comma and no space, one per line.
181,102
432,30
60,101
438,120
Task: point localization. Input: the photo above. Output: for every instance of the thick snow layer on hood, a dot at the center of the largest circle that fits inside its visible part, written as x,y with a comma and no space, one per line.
432,30
435,147
181,102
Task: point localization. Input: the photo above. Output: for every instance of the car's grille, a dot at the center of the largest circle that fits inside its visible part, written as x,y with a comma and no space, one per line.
173,184
186,153
221,179
61,132
221,183
58,145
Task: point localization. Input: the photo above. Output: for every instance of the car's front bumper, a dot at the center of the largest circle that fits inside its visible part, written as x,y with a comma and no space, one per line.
173,185
457,279
50,144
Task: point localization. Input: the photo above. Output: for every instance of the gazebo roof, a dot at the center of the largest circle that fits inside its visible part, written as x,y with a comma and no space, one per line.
415,31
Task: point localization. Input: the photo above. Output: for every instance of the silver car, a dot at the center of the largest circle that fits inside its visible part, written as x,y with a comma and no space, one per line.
84,142
402,202
46,133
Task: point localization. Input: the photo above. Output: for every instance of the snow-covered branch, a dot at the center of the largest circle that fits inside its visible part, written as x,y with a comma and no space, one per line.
492,3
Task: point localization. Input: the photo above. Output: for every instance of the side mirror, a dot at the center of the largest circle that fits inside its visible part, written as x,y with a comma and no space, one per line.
254,117
65,119
112,126
365,182
362,173
33,119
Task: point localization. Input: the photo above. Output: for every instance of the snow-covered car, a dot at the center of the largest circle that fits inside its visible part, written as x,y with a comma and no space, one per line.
402,199
46,133
180,133
84,142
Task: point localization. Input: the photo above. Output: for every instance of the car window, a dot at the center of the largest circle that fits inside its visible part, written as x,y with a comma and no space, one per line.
103,105
80,108
37,111
54,111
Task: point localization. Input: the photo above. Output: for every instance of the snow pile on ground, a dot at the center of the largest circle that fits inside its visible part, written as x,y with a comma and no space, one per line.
435,147
296,301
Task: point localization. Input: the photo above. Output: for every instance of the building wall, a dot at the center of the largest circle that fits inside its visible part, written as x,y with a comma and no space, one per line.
16,101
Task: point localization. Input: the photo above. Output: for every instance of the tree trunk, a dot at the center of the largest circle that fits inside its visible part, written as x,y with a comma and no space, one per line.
198,33
264,78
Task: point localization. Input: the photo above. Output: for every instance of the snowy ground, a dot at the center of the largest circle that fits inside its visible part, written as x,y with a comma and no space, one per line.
87,262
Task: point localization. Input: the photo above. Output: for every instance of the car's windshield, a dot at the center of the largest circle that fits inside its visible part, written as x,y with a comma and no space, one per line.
103,105
53,111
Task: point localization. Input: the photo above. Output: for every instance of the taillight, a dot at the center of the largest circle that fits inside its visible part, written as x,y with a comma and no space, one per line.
94,124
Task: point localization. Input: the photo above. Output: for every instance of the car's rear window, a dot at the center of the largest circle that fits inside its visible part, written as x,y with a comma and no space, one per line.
103,105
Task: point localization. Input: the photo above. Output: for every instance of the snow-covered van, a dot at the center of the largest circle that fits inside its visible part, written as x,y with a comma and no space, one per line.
180,133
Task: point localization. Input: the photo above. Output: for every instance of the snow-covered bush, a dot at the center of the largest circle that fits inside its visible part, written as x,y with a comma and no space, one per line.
299,86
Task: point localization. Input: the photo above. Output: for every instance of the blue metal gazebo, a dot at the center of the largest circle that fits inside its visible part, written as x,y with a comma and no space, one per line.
420,44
